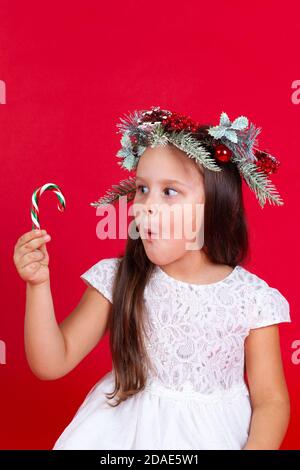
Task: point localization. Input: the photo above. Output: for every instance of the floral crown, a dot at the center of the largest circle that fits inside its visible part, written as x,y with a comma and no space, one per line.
210,146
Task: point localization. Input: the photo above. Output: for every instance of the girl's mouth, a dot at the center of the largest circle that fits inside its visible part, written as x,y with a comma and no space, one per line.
150,235
147,233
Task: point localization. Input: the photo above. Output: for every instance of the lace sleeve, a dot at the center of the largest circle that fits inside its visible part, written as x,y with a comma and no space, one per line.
101,276
269,307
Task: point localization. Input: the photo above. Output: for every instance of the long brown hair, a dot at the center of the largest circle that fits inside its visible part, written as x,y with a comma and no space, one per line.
225,242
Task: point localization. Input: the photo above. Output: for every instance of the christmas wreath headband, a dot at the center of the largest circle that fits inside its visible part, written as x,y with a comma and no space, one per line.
215,146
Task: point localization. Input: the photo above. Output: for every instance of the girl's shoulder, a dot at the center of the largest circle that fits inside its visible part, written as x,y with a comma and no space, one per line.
256,283
267,304
101,275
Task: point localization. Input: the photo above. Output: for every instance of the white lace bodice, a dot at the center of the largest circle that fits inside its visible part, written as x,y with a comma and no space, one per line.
197,331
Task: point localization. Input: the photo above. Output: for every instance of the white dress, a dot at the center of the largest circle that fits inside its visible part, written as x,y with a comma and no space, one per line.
197,398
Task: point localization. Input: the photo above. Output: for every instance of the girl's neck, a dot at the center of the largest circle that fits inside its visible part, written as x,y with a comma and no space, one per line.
196,268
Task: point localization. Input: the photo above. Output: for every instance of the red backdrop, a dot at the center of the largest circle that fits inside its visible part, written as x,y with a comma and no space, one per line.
71,69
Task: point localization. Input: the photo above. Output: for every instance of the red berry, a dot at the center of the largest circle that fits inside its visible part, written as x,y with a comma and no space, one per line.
223,153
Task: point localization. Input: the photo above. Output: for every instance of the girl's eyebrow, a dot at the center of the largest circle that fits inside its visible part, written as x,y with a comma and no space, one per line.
164,181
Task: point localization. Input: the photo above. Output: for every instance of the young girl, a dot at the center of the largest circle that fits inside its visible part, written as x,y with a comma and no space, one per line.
185,324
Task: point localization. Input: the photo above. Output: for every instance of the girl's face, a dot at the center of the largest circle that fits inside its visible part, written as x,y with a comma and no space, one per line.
169,201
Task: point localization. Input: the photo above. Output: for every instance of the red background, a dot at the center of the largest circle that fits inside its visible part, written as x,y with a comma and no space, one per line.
71,69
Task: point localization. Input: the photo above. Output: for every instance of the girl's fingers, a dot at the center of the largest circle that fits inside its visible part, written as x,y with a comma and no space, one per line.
32,257
33,245
32,267
45,259
26,237
43,249
21,242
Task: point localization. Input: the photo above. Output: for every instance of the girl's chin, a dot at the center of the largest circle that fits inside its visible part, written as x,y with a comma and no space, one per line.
151,240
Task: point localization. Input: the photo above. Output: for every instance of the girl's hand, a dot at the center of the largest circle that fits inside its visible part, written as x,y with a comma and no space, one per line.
31,257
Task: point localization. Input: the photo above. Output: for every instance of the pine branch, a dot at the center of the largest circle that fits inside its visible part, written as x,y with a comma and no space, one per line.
259,182
158,136
129,122
123,188
194,149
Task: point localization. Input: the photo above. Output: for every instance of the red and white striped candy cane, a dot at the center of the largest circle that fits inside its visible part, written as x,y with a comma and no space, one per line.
35,201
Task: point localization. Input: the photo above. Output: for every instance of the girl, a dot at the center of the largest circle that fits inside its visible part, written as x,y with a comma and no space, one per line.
185,323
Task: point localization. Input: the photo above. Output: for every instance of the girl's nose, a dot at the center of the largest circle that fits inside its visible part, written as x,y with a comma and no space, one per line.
151,204
151,209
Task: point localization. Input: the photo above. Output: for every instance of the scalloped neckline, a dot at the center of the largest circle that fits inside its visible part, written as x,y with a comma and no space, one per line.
185,283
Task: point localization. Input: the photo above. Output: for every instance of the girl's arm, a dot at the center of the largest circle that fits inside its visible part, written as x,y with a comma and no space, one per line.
53,349
268,389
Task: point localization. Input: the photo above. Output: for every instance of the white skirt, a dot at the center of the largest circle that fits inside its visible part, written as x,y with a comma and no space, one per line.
159,418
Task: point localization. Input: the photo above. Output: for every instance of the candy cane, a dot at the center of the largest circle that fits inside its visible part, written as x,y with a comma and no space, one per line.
35,201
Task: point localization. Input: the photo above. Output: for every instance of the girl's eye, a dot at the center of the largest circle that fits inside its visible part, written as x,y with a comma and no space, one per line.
172,190
166,189
140,186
